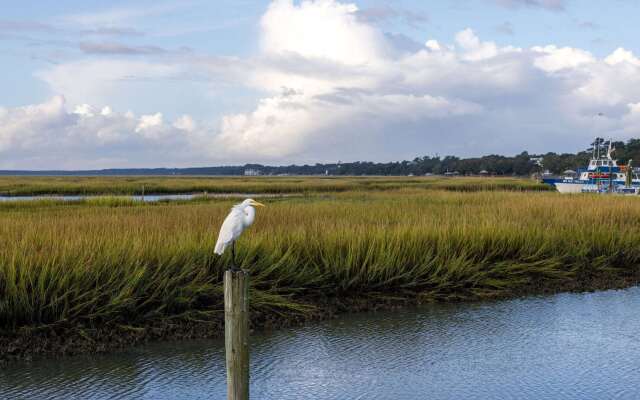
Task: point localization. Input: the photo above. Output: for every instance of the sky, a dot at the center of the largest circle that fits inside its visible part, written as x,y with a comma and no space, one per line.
167,83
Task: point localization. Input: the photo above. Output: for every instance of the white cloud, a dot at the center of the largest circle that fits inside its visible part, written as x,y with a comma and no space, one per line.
185,123
555,59
84,109
346,75
100,81
46,135
433,45
333,86
621,56
632,119
324,29
25,127
473,48
148,122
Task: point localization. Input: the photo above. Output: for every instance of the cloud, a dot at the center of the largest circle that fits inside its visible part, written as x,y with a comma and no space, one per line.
36,27
554,59
26,26
112,31
330,85
473,48
589,25
620,56
554,5
46,136
185,123
149,122
105,82
505,28
358,97
386,13
632,118
323,29
281,125
118,16
118,48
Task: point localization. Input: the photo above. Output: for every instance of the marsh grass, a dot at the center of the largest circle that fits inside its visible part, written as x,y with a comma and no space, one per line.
131,264
106,185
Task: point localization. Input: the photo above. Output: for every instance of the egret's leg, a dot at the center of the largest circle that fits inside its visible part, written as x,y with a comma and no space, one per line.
233,256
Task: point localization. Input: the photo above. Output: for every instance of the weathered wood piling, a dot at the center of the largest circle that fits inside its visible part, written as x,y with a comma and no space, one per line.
236,333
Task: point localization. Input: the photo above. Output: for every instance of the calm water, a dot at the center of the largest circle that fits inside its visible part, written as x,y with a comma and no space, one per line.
146,198
584,346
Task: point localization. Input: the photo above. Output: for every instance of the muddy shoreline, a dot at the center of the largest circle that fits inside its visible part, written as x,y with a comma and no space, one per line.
48,342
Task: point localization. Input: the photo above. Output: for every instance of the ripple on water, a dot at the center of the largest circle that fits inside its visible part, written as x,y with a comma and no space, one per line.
569,346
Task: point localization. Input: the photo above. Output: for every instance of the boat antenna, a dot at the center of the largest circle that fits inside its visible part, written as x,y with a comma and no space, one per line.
610,150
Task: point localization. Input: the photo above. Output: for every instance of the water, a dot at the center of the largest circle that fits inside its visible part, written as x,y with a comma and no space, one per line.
146,198
569,346
150,198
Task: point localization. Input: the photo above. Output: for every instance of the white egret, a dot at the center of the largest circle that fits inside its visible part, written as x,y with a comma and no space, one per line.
240,218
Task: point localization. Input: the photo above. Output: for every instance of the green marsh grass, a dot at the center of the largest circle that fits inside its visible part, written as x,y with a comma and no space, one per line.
131,264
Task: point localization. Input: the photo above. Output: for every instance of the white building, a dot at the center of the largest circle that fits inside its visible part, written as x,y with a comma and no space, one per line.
252,172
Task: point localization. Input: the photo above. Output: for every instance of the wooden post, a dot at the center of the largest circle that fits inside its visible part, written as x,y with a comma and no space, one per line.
236,333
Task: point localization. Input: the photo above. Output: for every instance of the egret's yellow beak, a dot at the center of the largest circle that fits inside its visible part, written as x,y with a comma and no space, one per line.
255,203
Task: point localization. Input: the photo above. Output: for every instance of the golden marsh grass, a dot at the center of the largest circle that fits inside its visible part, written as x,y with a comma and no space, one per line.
129,264
111,185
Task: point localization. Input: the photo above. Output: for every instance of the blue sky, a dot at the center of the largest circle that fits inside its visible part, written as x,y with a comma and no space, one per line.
193,82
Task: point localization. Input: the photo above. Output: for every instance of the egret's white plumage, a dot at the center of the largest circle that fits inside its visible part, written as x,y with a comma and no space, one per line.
240,218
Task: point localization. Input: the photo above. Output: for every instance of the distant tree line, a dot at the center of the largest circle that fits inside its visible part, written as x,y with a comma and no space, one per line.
523,164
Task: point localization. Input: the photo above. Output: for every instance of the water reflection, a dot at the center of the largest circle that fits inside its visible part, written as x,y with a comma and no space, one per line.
570,346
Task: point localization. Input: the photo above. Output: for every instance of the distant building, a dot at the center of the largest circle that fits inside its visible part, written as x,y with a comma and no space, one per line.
484,172
252,172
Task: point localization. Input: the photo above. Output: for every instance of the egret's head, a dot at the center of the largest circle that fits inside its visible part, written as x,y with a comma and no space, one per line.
252,202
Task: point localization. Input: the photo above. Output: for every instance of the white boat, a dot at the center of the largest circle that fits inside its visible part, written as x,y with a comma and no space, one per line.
602,175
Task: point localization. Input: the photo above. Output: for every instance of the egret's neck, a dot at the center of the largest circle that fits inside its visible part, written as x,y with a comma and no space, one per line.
249,215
